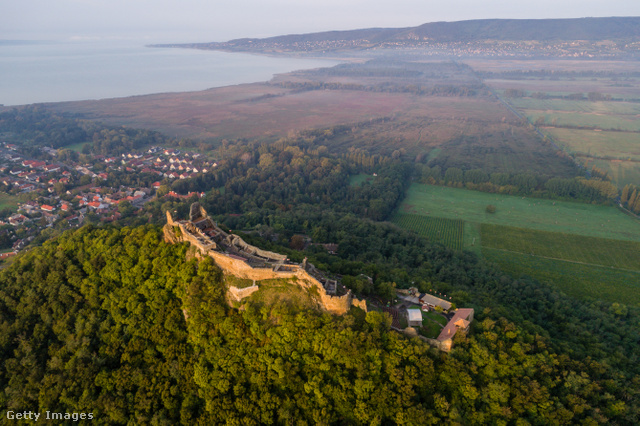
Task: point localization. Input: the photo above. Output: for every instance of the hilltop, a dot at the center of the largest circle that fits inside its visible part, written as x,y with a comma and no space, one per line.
547,37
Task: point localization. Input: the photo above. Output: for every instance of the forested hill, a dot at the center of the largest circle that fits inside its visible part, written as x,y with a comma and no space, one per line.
117,324
513,30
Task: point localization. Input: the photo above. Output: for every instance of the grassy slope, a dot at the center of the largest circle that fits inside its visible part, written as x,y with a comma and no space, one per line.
280,291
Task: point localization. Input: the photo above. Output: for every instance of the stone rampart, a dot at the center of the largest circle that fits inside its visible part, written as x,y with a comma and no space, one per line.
362,304
240,293
239,268
241,244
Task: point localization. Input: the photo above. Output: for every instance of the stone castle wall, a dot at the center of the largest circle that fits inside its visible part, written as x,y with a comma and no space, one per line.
240,293
238,268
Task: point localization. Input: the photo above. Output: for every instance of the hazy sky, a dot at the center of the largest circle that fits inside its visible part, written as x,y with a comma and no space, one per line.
210,20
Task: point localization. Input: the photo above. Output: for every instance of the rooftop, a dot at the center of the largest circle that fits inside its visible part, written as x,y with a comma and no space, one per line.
459,319
414,315
435,301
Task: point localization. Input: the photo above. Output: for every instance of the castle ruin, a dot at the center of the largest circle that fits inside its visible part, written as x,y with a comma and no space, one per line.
235,257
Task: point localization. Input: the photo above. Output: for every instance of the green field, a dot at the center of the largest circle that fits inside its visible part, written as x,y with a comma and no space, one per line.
77,147
616,152
8,201
359,179
448,232
576,119
620,145
545,215
610,138
587,251
577,248
587,107
622,172
575,279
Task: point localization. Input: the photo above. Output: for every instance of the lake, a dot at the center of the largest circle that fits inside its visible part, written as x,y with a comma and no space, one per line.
69,71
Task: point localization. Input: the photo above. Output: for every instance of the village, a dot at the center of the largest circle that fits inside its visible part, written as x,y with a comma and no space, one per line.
61,193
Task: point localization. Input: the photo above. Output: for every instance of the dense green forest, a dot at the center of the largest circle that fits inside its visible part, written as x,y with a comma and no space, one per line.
119,324
113,321
33,127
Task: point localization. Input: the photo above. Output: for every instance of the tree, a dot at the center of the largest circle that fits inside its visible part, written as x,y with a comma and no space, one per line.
162,190
297,242
633,200
386,290
126,209
625,194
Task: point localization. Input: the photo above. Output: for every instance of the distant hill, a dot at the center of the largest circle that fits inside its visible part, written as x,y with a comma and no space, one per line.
592,29
586,30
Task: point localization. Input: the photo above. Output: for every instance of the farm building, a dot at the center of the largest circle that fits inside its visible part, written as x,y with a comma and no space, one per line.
414,317
433,301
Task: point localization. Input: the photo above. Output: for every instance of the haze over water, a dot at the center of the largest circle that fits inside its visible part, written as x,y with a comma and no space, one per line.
68,71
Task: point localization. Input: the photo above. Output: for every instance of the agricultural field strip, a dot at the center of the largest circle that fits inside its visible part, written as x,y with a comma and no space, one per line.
617,254
601,107
602,144
449,232
566,260
576,279
567,87
540,214
584,120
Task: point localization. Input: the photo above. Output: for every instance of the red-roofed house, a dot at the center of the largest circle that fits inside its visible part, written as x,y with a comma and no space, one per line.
97,205
33,164
17,219
47,208
460,321
135,199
